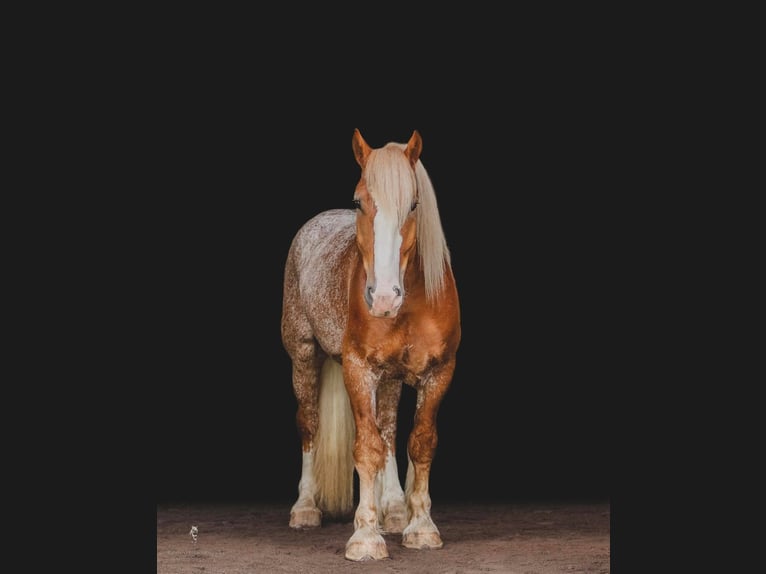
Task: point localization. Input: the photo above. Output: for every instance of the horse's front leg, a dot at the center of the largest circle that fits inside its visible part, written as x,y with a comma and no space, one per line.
421,532
366,543
392,508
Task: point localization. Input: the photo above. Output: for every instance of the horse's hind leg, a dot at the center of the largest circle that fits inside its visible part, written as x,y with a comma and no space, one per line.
304,512
392,508
298,340
306,356
421,532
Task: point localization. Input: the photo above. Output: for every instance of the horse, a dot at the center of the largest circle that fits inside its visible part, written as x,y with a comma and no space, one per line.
370,304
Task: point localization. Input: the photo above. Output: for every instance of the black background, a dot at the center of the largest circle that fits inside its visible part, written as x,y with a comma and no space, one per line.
528,215
535,176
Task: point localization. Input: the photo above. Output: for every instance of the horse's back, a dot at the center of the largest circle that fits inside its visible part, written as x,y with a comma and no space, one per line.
316,279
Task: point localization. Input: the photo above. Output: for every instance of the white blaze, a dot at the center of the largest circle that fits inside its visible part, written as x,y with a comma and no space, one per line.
388,240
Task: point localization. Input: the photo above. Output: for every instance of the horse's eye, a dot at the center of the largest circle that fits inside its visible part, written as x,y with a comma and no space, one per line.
414,205
357,203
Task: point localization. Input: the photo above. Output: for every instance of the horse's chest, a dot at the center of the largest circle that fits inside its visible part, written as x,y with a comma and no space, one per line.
405,350
406,361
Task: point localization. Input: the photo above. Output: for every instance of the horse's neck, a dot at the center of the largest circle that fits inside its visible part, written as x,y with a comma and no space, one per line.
414,277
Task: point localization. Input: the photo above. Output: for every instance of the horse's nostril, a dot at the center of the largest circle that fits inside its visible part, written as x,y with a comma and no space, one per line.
397,291
369,291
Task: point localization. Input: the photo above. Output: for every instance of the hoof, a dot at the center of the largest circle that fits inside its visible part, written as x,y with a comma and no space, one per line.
366,544
426,540
305,518
395,522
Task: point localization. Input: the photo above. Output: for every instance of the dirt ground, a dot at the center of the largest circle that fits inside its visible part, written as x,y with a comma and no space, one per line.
520,538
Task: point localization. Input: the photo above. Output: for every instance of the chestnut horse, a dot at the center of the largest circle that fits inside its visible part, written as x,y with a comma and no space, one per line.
370,303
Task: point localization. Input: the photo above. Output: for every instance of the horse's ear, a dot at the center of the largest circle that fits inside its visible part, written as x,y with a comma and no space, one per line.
361,149
414,147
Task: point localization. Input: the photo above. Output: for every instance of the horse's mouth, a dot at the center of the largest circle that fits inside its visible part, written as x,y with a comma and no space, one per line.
384,314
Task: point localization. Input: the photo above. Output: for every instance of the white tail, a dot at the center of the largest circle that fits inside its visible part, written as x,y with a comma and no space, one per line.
334,441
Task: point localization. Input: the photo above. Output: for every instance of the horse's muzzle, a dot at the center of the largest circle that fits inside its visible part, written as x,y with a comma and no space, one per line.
384,302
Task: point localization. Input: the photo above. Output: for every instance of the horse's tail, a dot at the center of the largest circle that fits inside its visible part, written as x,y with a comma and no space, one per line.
334,441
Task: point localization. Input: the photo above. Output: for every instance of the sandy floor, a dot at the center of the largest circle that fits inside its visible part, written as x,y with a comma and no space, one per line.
521,537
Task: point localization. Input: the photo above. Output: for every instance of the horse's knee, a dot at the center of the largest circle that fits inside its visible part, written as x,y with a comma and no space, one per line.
369,450
422,445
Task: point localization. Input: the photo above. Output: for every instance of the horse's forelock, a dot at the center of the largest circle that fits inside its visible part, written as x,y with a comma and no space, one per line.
391,181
